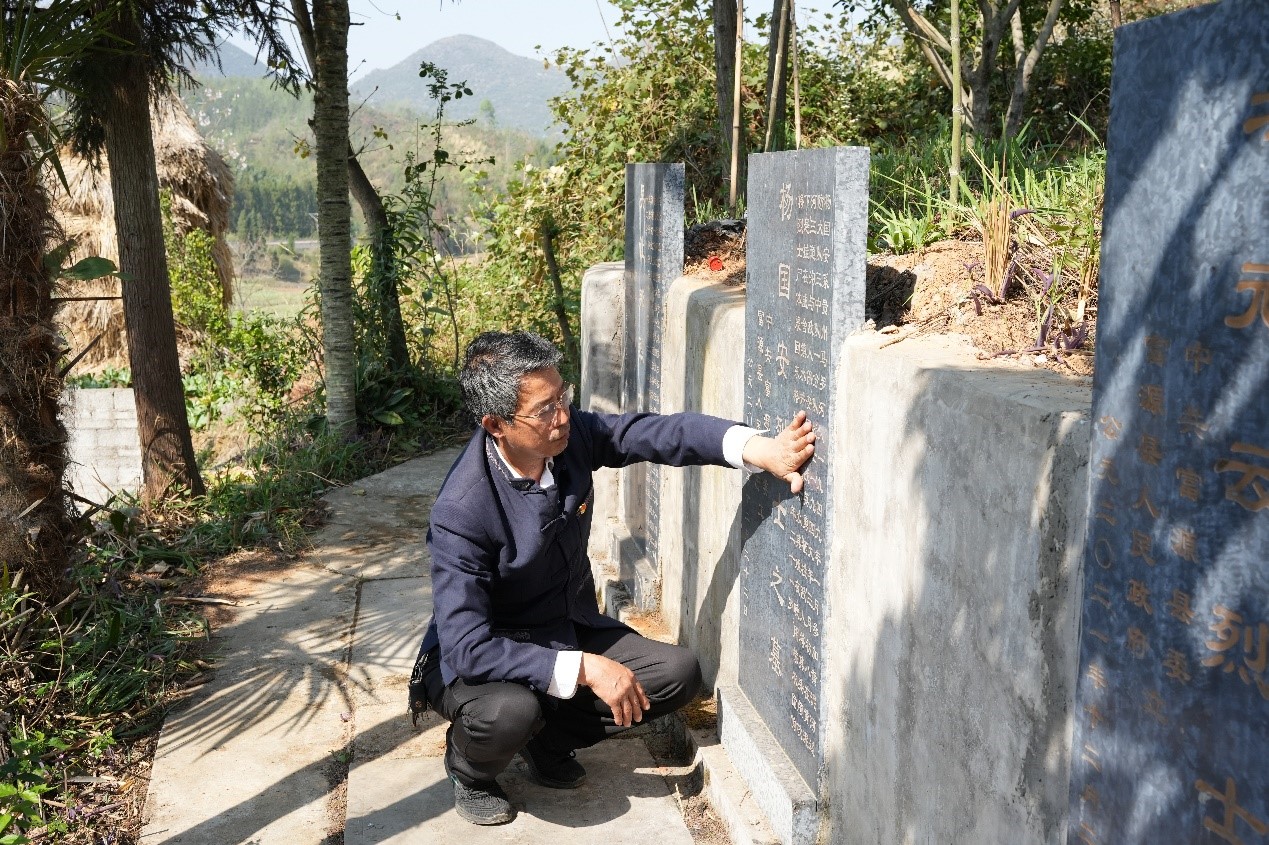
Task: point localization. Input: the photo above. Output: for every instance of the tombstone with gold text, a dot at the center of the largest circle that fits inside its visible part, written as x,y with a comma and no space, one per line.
1171,740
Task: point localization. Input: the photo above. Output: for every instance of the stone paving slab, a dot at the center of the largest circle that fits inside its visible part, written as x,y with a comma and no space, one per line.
390,622
249,758
401,800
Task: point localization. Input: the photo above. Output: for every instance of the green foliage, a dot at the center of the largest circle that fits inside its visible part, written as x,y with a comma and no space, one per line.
77,676
196,291
246,363
248,367
647,97
24,779
271,204
267,498
106,378
409,269
862,88
1071,79
258,128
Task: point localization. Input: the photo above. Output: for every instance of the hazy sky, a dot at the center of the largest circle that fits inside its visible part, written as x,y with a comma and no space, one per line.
519,26
516,25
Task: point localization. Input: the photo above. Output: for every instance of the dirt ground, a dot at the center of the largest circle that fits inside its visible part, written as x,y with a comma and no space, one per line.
925,292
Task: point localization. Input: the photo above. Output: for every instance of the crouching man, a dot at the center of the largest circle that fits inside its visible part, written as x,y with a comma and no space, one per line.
517,656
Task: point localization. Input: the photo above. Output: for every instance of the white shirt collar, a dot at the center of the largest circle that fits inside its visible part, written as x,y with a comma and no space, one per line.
548,477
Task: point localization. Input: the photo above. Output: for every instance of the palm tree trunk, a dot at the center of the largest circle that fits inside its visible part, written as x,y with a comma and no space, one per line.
167,450
35,530
330,129
372,212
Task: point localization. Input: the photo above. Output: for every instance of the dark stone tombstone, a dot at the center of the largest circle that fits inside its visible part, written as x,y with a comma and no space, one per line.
1171,740
807,241
654,259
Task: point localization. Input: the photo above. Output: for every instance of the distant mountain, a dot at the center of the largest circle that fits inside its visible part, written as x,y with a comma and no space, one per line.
517,87
234,62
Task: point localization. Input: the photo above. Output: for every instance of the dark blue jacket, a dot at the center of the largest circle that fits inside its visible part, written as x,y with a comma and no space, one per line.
510,574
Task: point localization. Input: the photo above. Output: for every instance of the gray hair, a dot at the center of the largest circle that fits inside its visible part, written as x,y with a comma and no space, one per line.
494,366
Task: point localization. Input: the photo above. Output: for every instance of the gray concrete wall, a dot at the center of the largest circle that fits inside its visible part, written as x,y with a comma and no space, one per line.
951,628
952,596
602,348
704,340
105,450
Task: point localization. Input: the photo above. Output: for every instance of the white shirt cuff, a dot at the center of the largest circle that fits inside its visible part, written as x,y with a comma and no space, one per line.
734,441
568,666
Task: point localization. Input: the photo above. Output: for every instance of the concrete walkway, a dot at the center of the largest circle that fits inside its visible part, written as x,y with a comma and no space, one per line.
302,738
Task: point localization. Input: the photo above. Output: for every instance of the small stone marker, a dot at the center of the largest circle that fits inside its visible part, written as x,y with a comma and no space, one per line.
808,218
654,259
1171,740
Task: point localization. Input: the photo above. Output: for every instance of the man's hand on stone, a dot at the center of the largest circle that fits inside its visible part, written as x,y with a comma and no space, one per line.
786,453
616,686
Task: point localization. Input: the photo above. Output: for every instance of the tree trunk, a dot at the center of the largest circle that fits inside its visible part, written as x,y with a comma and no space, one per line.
372,212
167,451
724,71
35,531
1022,74
777,77
387,294
736,187
330,130
546,232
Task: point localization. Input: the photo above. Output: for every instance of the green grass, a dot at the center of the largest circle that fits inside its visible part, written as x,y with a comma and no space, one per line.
267,294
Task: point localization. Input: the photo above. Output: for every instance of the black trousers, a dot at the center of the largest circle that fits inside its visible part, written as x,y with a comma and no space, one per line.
490,722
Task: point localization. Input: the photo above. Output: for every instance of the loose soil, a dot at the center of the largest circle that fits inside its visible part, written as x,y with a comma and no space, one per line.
924,292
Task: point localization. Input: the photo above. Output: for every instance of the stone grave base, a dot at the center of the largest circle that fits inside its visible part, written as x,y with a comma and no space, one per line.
776,785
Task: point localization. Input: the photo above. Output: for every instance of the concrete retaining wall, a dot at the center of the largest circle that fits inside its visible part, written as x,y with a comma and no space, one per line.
105,450
951,626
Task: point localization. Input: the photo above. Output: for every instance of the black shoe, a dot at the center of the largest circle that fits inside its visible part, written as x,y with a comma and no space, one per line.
556,770
484,804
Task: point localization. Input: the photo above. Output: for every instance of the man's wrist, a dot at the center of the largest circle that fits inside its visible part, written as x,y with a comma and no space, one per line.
566,675
735,440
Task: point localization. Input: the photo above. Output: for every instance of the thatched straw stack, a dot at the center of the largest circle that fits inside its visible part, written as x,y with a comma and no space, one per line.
201,185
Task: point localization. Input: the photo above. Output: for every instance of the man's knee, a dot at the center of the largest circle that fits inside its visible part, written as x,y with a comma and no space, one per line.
682,676
512,716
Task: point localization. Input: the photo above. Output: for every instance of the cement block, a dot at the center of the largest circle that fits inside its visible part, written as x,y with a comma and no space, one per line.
952,596
602,349
103,448
603,300
699,526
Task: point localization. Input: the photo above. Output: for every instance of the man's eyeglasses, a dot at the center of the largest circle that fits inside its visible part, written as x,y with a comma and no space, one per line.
548,412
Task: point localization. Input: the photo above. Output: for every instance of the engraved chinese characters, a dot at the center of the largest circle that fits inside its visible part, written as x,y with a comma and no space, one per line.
1172,718
805,280
654,259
